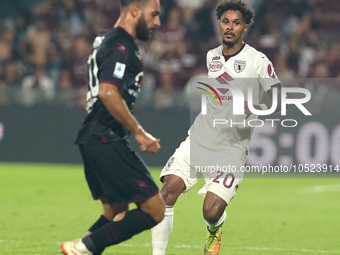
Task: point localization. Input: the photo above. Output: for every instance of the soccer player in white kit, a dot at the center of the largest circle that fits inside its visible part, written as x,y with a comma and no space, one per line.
234,63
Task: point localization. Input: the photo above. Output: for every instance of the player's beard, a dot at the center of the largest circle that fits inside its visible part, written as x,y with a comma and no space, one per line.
229,44
142,31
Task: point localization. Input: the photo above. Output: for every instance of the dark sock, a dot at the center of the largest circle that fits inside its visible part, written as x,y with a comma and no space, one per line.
134,222
102,221
99,223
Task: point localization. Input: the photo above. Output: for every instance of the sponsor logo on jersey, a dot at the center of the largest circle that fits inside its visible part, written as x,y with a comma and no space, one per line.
209,93
224,97
271,71
239,98
119,70
223,91
239,65
215,66
216,58
122,48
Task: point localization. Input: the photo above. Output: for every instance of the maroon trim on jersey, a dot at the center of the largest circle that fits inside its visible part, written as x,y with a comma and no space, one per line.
227,57
104,139
112,83
122,48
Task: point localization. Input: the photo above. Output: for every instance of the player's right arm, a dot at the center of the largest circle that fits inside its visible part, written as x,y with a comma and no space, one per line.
107,70
116,106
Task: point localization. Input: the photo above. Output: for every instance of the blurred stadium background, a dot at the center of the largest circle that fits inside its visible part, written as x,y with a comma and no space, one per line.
44,46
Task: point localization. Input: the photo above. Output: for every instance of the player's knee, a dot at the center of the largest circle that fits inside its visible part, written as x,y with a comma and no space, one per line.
108,212
212,214
168,195
155,207
172,187
111,213
158,216
157,212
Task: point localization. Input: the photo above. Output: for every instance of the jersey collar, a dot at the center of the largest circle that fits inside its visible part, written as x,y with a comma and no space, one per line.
125,32
227,57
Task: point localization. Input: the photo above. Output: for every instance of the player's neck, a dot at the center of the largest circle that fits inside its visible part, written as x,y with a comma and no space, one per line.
232,50
127,26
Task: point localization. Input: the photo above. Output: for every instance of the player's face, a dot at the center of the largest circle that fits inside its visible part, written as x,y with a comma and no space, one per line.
232,27
149,20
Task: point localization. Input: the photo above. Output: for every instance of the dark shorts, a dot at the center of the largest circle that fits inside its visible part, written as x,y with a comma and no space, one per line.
115,171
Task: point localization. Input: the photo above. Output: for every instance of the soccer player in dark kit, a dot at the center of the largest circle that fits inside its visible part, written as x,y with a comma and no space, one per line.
114,172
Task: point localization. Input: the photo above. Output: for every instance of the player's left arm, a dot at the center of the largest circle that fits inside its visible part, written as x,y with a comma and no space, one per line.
270,93
269,104
267,80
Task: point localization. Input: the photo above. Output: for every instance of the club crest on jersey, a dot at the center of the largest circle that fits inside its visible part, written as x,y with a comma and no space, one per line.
215,66
239,65
169,163
119,70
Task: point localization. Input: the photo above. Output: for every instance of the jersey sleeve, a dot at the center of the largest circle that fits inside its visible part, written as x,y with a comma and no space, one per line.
266,73
113,61
209,56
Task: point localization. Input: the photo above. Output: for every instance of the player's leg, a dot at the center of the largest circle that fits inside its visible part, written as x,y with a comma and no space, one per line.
123,227
93,179
218,194
214,211
219,190
97,190
124,179
214,215
172,187
177,179
108,215
148,214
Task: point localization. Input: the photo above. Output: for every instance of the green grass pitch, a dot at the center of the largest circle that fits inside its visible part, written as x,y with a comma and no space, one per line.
42,205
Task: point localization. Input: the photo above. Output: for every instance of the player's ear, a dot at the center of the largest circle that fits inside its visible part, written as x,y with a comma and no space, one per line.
245,28
135,11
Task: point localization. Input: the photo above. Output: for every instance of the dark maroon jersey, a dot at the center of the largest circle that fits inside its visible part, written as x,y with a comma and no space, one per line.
115,59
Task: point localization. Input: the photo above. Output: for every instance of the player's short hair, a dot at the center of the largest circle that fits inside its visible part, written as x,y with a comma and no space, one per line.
125,3
236,5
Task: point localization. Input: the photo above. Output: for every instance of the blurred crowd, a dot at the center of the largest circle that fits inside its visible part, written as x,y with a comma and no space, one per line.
43,53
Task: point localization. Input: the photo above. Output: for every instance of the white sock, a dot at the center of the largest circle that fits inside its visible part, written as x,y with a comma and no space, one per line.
161,232
214,226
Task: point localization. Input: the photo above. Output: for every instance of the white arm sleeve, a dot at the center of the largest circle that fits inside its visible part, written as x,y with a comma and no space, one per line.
266,73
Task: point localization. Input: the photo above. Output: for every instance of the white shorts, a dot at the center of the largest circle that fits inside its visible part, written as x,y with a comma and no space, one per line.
190,168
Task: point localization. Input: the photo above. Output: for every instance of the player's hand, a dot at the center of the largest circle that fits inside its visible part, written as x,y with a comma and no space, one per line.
147,142
247,111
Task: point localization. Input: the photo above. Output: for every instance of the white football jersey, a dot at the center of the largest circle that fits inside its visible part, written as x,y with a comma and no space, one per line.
247,68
